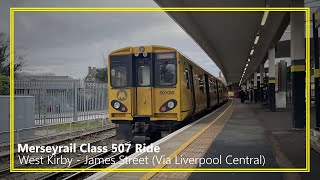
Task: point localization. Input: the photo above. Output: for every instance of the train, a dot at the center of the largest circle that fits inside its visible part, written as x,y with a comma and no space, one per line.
154,89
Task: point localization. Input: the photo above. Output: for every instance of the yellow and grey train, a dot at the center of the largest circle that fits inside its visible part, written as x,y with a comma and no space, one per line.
153,89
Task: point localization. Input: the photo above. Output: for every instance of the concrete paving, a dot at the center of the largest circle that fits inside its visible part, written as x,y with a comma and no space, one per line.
242,136
292,142
250,131
253,130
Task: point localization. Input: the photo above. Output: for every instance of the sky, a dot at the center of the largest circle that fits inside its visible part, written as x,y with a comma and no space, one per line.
67,43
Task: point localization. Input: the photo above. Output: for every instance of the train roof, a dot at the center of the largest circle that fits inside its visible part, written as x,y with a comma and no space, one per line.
148,48
199,66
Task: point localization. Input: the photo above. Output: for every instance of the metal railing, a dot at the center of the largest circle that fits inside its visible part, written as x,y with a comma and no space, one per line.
59,101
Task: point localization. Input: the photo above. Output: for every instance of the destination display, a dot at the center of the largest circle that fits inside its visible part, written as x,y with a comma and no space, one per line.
165,56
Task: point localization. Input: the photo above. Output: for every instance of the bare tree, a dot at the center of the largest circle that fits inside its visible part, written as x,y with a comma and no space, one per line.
102,73
5,57
5,64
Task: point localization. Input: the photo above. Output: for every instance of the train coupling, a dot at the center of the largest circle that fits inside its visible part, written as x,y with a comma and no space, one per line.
140,139
140,132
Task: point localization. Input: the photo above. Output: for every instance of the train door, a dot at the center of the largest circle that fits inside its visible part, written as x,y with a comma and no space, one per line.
192,91
144,87
218,87
207,89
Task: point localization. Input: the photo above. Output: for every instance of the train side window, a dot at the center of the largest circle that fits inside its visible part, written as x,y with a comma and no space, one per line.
201,83
211,87
214,88
187,78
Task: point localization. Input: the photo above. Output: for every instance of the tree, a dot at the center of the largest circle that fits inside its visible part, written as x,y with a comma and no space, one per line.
5,64
102,73
4,85
5,57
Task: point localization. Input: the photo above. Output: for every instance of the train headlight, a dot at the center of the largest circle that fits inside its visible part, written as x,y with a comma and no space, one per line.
168,105
145,54
171,104
116,105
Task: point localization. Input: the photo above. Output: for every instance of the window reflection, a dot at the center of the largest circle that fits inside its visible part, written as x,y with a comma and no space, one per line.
167,74
119,76
144,75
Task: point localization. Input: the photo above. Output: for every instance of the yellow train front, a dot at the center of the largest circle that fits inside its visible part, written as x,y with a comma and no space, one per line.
153,89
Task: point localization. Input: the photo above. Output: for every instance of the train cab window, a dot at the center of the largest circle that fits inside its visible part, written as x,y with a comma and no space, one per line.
201,83
165,73
144,75
187,78
120,73
119,76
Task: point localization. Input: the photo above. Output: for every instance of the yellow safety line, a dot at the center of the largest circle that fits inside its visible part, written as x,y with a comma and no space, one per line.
11,91
183,146
153,9
298,68
316,73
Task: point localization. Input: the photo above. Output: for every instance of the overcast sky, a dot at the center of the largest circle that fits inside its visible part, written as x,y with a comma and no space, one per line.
67,43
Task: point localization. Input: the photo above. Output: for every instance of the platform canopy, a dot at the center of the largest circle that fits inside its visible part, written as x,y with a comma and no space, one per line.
228,37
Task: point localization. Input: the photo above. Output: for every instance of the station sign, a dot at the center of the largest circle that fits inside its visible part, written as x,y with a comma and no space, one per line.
317,17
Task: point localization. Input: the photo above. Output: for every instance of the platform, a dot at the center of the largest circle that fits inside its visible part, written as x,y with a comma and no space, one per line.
235,129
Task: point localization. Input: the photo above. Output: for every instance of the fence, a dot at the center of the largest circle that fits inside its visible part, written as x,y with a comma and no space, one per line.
58,101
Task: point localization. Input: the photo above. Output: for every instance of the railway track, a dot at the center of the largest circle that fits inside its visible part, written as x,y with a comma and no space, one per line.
107,133
64,137
81,164
78,164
